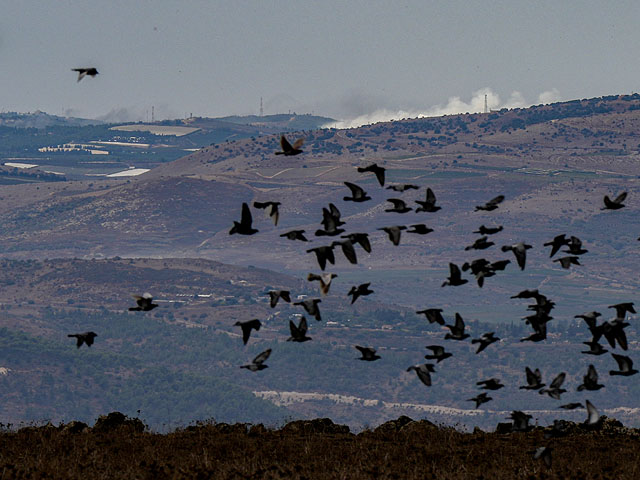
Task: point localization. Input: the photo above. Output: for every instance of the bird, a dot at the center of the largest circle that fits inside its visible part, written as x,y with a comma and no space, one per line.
311,306
439,353
271,209
86,337
399,206
324,279
614,204
244,226
622,309
480,244
499,265
566,262
360,290
247,326
394,233
480,399
489,230
455,277
275,295
368,354
378,171
625,366
575,246
520,251
571,406
424,372
590,380
258,362
288,149
556,244
331,221
299,332
485,340
420,229
491,204
554,390
490,384
357,193
520,421
348,250
613,331
295,235
361,239
324,254
144,302
543,453
534,379
481,268
402,188
434,315
82,72
429,204
591,319
593,417
457,330
594,348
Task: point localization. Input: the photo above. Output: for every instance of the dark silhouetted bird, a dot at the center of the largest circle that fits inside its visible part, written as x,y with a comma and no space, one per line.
555,390
288,149
544,454
520,251
331,221
86,337
455,277
575,247
593,417
480,399
590,380
520,421
625,366
360,238
295,235
276,295
271,209
394,233
490,384
489,230
613,331
614,204
398,206
359,291
434,315
258,362
491,204
244,226
420,229
622,309
424,372
298,333
534,379
144,302
324,279
311,307
485,340
556,244
566,262
83,72
378,171
499,265
324,254
571,406
368,354
480,244
429,204
402,188
594,348
348,250
591,319
439,353
457,330
357,193
247,326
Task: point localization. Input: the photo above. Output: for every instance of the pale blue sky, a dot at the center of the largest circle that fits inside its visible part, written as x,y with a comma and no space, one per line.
336,58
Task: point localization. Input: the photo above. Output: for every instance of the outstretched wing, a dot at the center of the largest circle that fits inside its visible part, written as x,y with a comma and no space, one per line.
298,143
246,218
285,145
262,357
620,198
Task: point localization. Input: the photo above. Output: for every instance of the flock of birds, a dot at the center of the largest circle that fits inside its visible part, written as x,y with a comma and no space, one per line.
613,331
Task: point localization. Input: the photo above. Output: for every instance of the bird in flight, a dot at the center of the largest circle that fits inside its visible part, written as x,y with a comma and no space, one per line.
324,254
324,279
429,204
457,330
394,233
489,230
299,332
295,235
438,354
590,380
361,290
368,354
520,252
402,188
247,326
491,204
625,366
424,372
271,208
244,226
311,307
144,302
616,203
357,193
480,399
275,295
434,315
83,72
485,340
534,379
86,337
258,362
378,171
399,206
288,149
455,277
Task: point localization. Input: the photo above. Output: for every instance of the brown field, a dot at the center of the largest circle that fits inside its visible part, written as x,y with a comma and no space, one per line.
402,449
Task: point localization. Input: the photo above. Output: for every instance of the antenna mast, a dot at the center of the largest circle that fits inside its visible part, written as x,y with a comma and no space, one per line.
486,108
261,110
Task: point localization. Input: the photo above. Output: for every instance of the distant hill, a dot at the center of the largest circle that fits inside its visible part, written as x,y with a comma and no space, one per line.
41,120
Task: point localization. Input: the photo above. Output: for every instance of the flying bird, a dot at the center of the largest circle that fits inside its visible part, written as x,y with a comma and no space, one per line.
571,406
402,188
324,279
534,379
520,421
520,252
439,353
420,229
368,354
480,399
594,348
491,204
360,238
424,372
429,204
394,233
324,254
295,235
614,204
485,340
566,262
83,72
575,246
378,171
359,291
490,384
288,149
299,332
455,277
555,390
593,417
434,315
144,302
357,193
544,454
457,330
86,337
590,380
625,366
271,208
348,250
622,309
556,244
258,362
399,206
480,244
311,307
489,230
275,295
247,326
244,226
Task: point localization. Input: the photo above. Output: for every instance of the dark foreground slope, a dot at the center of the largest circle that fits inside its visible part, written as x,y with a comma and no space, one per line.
119,448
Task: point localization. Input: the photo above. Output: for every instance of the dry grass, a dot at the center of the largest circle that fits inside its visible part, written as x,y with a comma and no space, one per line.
312,449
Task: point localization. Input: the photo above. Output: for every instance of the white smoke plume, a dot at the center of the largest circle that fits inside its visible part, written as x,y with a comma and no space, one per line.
454,106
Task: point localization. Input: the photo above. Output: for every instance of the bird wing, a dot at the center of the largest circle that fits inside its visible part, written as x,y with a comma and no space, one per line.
557,382
284,294
459,322
496,200
592,412
620,198
262,357
298,143
356,191
624,363
284,143
303,327
246,218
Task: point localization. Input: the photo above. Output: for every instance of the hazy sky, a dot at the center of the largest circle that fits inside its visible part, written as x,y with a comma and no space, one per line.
344,59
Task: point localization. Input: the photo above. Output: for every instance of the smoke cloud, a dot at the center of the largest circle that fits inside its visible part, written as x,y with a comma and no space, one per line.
454,105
